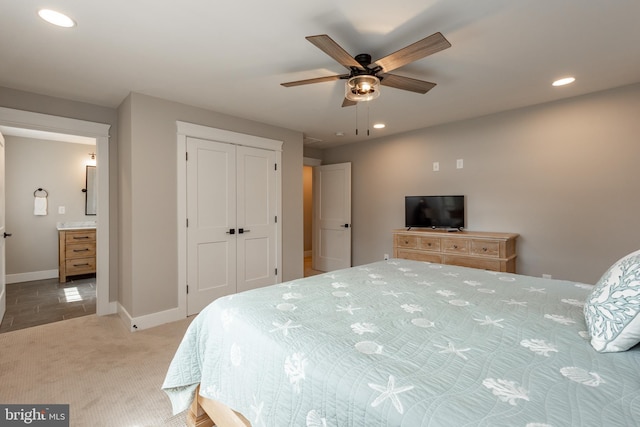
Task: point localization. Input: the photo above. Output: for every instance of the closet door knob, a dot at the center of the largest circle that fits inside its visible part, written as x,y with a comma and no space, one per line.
7,235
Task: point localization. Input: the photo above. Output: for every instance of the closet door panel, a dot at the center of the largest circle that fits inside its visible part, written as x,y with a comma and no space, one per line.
211,213
256,217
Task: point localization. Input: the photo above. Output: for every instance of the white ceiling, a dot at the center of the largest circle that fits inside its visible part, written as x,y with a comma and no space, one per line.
231,57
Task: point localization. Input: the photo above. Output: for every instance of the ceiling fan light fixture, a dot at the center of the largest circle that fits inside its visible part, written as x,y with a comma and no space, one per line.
362,88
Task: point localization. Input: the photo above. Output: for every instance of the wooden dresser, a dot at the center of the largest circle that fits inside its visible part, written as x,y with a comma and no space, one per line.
485,250
76,253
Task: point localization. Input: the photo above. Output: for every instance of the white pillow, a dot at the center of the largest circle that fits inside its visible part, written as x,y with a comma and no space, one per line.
612,310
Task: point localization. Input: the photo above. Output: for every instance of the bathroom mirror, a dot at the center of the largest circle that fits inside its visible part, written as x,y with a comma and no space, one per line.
90,192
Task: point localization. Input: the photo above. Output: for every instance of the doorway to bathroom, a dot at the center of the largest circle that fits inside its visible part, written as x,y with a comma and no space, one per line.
44,183
99,133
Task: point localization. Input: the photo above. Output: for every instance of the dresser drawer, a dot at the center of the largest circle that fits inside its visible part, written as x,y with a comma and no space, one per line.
419,256
481,263
429,243
80,266
456,246
80,236
485,248
80,250
406,241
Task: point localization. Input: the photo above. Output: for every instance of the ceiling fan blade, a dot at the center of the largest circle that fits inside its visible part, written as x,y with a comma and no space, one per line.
348,103
418,50
406,83
333,49
316,80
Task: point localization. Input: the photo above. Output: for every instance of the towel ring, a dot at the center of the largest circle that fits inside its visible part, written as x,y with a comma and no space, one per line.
40,190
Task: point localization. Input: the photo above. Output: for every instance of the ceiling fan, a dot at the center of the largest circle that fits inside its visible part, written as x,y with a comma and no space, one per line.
365,77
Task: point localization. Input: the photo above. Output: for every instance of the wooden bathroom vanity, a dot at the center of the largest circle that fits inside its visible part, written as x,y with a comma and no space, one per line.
77,251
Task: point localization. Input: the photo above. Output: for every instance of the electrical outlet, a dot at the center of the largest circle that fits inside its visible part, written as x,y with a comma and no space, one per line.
436,166
62,210
546,276
386,257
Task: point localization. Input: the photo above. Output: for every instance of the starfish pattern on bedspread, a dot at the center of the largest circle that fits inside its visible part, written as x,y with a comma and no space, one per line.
390,392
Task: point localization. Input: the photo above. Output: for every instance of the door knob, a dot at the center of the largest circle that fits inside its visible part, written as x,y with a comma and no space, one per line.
7,235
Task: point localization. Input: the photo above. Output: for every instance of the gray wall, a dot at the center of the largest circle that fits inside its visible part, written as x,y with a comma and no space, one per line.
563,175
59,168
148,197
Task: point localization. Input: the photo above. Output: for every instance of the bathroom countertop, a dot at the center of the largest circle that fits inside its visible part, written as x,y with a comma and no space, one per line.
75,225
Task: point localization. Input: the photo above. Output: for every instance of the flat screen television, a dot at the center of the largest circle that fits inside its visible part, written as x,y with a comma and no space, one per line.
434,211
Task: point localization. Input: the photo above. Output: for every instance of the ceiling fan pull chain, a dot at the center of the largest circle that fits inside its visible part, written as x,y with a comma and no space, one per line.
356,119
368,121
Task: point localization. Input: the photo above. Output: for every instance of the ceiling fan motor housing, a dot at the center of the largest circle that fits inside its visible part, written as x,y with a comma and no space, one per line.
364,59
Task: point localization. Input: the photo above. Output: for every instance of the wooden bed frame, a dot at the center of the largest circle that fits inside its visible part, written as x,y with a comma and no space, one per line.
205,412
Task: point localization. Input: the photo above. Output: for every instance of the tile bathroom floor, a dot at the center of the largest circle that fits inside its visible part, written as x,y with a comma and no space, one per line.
45,301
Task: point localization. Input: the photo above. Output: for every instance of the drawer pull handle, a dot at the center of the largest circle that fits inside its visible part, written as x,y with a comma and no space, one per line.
406,242
484,249
81,265
80,237
455,246
80,250
428,244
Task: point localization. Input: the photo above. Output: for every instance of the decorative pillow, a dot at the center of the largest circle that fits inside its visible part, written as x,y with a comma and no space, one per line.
612,310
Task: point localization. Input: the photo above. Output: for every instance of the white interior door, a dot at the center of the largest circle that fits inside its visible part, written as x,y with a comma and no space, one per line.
332,217
3,287
256,218
211,214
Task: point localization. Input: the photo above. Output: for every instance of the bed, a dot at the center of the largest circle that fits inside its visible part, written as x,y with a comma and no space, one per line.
408,343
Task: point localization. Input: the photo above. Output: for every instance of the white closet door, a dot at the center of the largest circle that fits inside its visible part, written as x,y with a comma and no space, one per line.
256,218
211,213
332,217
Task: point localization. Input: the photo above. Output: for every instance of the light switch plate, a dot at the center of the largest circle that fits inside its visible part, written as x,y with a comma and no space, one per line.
436,166
459,163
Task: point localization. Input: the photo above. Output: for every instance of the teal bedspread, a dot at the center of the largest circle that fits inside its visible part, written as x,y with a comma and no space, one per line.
406,343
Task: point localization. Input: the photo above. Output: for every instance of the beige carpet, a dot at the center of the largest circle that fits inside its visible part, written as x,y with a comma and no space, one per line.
108,375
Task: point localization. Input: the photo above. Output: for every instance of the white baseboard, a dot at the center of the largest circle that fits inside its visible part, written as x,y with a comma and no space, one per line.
149,320
33,275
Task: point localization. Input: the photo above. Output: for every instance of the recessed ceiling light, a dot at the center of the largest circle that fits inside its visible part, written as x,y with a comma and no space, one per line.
379,126
564,81
56,18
